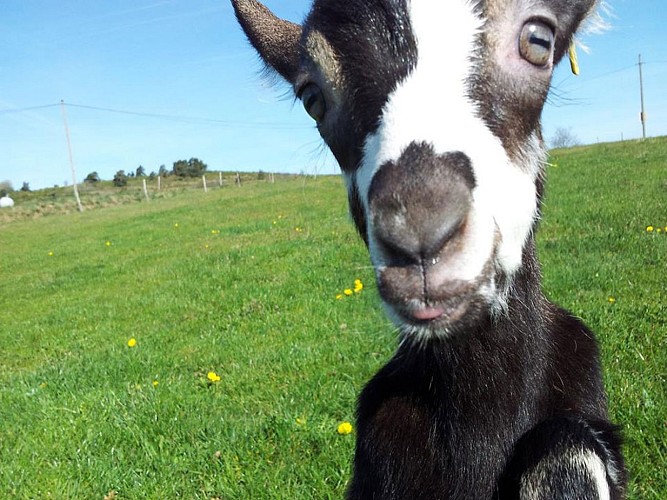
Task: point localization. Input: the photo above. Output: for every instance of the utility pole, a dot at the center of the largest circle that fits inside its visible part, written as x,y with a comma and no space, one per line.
642,115
71,158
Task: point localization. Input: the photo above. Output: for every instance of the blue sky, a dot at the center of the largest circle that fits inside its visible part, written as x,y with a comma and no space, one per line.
151,82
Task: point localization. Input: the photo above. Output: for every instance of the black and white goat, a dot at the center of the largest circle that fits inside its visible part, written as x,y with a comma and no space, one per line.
432,109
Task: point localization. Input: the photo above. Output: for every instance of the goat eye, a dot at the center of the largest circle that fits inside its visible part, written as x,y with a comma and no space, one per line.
536,43
313,101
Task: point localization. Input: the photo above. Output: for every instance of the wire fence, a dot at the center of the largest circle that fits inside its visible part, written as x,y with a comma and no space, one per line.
102,194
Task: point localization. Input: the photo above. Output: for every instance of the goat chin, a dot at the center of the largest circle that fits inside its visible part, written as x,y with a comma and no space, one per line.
432,110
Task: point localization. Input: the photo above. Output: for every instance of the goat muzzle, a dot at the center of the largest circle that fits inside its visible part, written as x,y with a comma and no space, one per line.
420,207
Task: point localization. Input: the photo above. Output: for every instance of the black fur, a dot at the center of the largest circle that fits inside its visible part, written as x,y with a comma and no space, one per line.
441,421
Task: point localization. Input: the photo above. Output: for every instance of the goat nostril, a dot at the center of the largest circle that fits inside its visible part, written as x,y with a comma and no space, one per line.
421,233
403,251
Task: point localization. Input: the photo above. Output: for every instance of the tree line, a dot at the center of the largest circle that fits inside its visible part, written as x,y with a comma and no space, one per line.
193,167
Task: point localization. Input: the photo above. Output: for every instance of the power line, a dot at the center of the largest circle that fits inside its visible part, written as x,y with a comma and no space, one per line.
584,80
23,110
161,116
612,72
624,68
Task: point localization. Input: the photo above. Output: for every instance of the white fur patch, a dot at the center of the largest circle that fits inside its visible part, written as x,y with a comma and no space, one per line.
431,105
574,467
593,464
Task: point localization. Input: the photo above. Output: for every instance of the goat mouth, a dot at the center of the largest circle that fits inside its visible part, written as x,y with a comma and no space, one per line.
433,315
419,303
427,313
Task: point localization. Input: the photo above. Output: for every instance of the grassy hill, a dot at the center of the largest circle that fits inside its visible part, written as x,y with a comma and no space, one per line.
194,345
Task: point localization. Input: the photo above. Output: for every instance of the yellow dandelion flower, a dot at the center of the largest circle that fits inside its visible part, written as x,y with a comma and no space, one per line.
213,377
300,421
339,296
155,383
358,286
348,292
132,342
111,495
344,428
611,299
50,254
659,230
649,229
176,225
108,243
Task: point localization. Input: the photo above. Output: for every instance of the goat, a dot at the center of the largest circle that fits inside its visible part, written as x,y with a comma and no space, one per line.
432,110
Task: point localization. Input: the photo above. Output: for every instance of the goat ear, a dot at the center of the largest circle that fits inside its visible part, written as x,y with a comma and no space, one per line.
276,40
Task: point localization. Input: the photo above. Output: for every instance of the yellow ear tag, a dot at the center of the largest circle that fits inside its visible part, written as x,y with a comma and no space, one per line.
574,64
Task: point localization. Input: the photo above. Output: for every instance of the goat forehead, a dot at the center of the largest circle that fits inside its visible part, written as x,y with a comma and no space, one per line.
431,102
372,47
363,50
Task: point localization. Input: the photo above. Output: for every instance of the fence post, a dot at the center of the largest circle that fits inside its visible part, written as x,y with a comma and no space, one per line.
203,178
145,190
238,179
220,179
159,183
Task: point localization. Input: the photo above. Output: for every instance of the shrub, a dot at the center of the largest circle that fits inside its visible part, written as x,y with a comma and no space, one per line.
92,178
120,179
193,167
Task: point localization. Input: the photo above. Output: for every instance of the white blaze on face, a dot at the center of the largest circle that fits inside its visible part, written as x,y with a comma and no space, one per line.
432,105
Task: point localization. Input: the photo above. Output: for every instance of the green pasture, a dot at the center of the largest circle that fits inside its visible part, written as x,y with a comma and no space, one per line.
244,361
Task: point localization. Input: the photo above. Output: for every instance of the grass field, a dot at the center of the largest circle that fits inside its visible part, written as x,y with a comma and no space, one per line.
241,285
